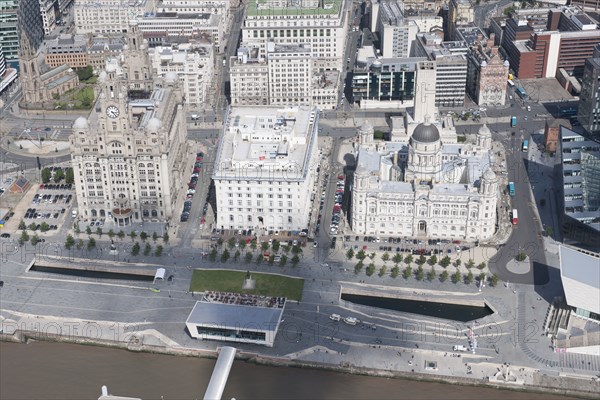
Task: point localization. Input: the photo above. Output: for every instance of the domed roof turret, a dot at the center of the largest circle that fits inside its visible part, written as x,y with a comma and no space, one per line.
366,127
489,175
110,67
426,133
153,125
485,131
81,123
170,77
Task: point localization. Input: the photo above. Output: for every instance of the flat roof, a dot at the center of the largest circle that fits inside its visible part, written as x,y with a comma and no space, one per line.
580,274
235,316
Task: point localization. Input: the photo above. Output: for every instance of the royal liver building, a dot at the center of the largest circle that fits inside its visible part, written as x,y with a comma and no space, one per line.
425,185
128,156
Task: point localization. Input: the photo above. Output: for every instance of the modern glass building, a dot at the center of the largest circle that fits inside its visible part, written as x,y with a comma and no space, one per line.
384,80
9,38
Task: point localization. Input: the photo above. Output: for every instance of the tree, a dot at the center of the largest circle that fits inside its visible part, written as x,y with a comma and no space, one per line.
225,255
231,243
166,237
295,260
154,236
143,236
92,243
286,248
259,259
46,175
444,276
431,274
80,244
99,232
85,73
271,259
350,254
361,255
264,246
432,260
444,262
276,245
213,255
296,250
482,276
421,260
59,175
470,264
481,265
385,257
121,234
69,176
253,244
35,240
456,276
77,230
494,280
44,227
408,259
236,255
382,270
132,235
283,261
469,278
219,242
147,249
457,262
521,256
32,226
358,267
395,271
370,269
22,225
242,244
248,257
420,274
69,242
397,259
159,250
23,238
88,230
372,255
407,272
111,233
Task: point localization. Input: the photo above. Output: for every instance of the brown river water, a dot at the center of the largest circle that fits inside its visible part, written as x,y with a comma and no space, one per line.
44,370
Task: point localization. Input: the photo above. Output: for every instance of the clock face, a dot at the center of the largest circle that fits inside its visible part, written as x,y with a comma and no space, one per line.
112,111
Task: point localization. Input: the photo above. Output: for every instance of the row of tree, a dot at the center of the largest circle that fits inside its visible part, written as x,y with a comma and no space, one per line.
59,175
133,235
226,255
420,274
275,246
409,259
135,249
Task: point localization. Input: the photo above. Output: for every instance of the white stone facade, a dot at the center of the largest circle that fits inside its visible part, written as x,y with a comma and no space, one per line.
265,168
324,26
425,189
194,65
128,156
108,16
249,77
290,72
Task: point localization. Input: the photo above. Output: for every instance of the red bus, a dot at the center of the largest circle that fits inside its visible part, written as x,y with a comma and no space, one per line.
515,216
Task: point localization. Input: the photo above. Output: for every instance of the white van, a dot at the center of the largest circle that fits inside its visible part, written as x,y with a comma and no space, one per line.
335,317
74,213
459,348
351,320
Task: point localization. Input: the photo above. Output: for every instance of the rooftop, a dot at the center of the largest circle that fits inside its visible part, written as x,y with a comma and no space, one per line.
267,143
235,316
266,8
580,273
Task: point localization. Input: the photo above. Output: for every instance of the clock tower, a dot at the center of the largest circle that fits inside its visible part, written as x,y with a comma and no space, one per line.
112,107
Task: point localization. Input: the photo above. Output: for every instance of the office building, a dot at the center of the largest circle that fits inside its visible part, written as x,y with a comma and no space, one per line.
265,168
249,77
580,179
8,75
108,16
67,49
129,155
194,66
322,24
9,37
451,68
588,112
460,12
290,72
396,33
103,48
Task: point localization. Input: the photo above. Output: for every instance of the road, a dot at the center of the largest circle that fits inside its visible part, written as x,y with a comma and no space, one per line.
484,12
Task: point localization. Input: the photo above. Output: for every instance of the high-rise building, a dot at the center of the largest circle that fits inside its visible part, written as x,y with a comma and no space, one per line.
9,36
580,179
249,77
460,12
384,80
396,32
290,73
588,113
265,168
30,23
129,155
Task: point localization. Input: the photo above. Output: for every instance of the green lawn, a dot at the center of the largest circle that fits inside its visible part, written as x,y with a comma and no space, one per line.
232,281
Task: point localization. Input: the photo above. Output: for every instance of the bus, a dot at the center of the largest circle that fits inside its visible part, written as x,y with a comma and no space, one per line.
522,93
511,189
525,146
513,121
515,216
510,83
